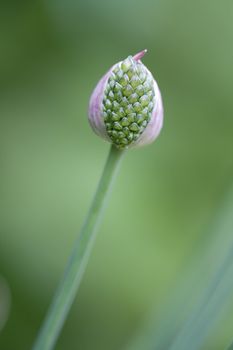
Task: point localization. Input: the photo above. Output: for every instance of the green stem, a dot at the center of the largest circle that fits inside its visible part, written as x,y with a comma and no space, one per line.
68,287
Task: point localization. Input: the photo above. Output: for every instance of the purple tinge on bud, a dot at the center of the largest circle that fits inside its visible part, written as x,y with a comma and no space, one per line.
126,106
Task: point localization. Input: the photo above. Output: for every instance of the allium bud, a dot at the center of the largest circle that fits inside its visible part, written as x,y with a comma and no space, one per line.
126,106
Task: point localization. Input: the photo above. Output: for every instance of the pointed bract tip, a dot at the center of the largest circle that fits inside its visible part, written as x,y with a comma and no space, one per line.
139,55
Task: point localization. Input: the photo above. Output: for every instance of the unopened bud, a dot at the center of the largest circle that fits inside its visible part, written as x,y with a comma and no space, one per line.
126,106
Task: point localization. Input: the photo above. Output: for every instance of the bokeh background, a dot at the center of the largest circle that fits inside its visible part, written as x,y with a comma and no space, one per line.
52,54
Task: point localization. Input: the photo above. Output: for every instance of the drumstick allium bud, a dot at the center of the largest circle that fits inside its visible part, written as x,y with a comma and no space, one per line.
126,106
125,109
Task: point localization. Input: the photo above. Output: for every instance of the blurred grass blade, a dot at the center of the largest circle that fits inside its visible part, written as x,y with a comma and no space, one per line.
209,311
230,347
193,300
218,291
5,302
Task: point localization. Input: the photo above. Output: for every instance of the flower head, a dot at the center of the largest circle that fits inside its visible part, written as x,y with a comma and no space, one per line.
126,105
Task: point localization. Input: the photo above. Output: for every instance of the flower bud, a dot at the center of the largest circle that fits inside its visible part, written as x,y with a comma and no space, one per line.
126,106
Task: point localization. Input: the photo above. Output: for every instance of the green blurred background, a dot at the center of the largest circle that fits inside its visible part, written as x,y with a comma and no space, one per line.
52,53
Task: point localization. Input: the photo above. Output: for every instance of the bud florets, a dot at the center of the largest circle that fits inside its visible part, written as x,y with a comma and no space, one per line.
126,103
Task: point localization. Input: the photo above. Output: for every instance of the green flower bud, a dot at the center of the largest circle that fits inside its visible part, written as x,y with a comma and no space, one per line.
126,106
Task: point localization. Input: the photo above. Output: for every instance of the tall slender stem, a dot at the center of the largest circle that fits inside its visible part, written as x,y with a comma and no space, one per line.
76,265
